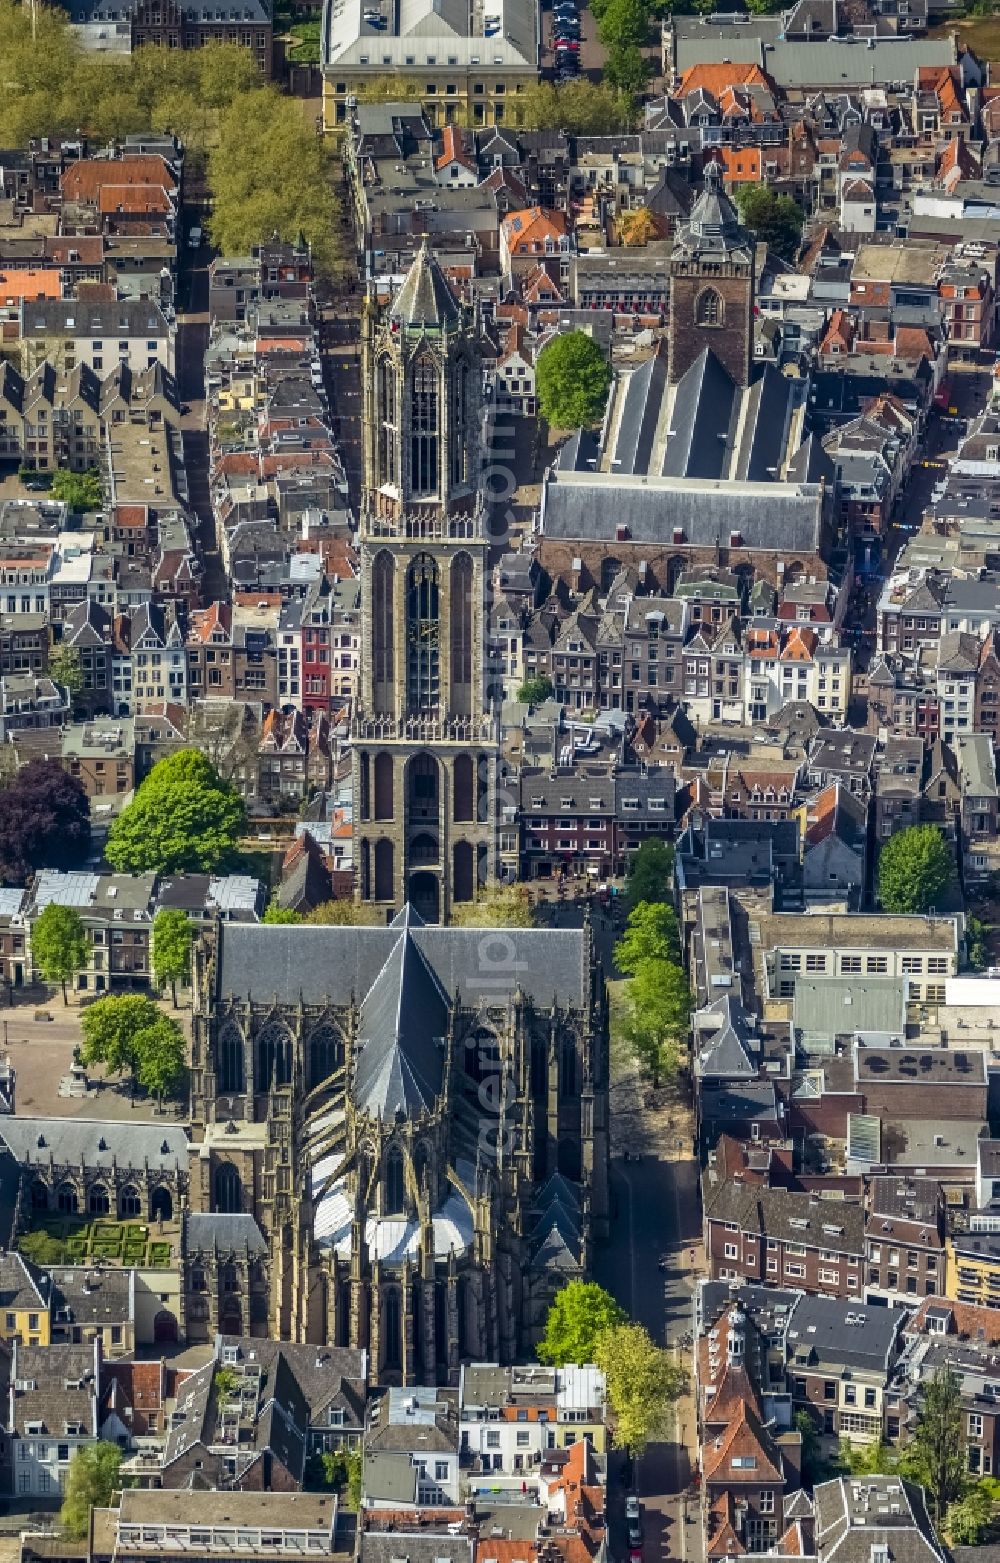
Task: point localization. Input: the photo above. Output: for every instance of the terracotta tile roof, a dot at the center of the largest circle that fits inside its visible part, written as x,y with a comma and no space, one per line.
131,516
205,621
133,200
84,179
740,163
944,81
800,645
504,1551
912,342
821,815
16,285
453,149
978,1323
533,226
89,248
793,1543
762,643
744,1439
839,333
723,1542
716,77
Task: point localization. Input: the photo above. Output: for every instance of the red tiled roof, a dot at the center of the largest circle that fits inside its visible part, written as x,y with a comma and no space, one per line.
84,179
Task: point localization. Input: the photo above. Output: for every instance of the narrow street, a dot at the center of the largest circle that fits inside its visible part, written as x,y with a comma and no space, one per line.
655,1213
192,343
340,344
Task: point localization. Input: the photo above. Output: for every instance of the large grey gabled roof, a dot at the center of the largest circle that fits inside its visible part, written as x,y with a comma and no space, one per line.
703,406
425,299
640,413
327,965
404,1016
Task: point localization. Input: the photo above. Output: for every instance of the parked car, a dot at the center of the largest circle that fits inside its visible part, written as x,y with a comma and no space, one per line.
569,44
634,1534
632,1508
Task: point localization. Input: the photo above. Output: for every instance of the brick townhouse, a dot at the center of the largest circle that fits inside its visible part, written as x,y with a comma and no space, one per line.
783,1238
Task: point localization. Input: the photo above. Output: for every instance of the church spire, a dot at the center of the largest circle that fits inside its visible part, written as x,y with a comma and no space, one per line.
425,302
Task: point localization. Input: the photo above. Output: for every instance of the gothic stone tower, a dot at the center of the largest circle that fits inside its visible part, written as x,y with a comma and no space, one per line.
712,286
425,749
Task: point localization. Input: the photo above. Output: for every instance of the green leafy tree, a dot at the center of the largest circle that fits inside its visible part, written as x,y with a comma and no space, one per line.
935,1456
626,69
643,1382
271,174
774,218
66,668
92,1481
59,945
225,1383
162,1057
81,491
811,1454
336,1470
976,947
184,817
580,108
44,820
111,1029
572,379
969,1518
650,872
173,933
275,914
624,24
342,914
878,1459
915,868
651,934
534,691
129,1035
657,1013
496,906
390,89
579,1315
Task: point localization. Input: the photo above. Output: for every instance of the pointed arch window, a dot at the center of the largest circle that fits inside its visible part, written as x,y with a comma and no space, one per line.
388,421
461,635
383,632
459,434
425,415
423,631
395,1190
710,309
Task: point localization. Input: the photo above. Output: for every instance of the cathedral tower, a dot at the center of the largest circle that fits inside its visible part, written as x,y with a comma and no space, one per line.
712,285
425,748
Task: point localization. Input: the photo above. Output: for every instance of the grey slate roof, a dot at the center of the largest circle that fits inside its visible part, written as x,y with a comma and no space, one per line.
703,407
203,1233
714,227
723,1053
854,1516
824,1328
325,965
404,1016
772,1211
425,299
77,1142
772,517
640,412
